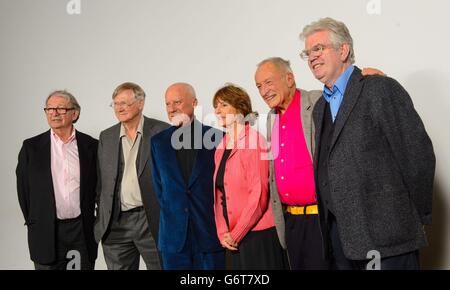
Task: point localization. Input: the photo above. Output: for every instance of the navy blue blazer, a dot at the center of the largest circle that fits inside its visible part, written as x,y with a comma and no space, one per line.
183,204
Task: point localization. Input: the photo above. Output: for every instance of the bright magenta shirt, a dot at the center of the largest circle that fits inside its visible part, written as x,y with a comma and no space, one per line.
294,173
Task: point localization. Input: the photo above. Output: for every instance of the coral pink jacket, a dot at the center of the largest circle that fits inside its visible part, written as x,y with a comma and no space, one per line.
246,186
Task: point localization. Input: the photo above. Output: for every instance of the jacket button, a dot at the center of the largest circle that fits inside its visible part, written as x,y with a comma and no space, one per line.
186,210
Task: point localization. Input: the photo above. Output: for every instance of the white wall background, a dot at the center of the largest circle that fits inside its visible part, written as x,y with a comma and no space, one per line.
206,43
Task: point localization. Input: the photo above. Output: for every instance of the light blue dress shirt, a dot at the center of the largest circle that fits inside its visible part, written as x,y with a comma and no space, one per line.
336,96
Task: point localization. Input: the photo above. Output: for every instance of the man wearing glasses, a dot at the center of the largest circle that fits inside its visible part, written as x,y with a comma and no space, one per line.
128,211
56,180
374,164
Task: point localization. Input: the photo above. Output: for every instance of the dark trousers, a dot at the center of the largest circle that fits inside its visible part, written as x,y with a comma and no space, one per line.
407,261
128,238
193,258
304,242
69,237
260,250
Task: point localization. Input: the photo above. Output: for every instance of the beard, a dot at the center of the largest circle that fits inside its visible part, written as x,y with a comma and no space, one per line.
180,119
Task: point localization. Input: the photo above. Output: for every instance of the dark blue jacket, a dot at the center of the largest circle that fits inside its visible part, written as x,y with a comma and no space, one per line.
183,203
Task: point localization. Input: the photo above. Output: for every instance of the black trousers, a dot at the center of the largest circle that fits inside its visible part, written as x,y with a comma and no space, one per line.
69,237
260,250
407,261
304,242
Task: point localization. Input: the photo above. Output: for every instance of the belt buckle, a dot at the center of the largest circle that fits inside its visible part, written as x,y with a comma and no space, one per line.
303,209
296,210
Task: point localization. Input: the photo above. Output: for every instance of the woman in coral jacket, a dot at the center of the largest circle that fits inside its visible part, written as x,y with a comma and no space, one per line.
244,218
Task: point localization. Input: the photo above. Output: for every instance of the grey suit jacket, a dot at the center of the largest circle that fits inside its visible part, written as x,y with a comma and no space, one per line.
307,101
381,169
108,163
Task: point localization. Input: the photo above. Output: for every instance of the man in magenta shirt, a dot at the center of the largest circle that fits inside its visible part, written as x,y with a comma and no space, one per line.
289,133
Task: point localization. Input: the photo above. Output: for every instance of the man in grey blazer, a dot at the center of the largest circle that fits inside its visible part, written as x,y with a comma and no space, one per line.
374,163
289,131
128,211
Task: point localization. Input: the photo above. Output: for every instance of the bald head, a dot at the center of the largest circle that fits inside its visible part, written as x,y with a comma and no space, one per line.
182,88
180,102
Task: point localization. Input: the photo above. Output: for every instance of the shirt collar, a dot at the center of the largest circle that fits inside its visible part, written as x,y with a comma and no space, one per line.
140,128
57,139
340,85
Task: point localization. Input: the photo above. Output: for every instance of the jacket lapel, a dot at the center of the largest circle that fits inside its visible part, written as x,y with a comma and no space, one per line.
144,154
244,140
112,155
200,156
45,162
270,122
319,112
171,155
306,108
351,96
269,126
197,168
83,156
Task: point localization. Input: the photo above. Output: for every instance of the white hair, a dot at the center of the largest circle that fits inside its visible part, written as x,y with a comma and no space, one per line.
339,33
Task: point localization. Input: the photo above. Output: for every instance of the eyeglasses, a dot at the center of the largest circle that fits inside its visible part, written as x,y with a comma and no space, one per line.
316,49
60,111
122,104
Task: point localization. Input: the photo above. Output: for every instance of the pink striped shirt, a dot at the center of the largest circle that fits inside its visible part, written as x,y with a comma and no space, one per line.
294,172
66,176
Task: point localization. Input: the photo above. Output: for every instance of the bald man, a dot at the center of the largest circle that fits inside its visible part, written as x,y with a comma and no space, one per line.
183,168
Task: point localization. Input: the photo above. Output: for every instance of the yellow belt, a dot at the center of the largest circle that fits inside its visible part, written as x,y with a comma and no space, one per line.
297,210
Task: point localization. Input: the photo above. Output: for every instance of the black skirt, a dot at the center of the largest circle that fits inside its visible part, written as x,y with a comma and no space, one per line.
259,250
